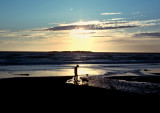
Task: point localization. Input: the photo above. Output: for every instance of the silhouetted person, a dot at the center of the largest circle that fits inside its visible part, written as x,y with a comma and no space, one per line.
76,74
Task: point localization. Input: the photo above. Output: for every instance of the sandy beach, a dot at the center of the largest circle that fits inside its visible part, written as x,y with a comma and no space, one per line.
26,85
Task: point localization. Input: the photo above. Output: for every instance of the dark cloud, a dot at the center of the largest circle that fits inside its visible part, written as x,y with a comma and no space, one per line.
97,25
88,27
26,35
101,36
148,35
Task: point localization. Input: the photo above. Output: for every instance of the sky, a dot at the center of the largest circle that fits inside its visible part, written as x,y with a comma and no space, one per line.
80,25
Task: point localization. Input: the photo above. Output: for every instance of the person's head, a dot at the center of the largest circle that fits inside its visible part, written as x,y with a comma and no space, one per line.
77,66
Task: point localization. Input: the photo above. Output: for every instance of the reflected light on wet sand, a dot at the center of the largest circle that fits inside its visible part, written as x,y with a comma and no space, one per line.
67,72
18,71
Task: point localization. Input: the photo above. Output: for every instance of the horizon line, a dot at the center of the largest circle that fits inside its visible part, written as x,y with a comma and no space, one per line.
82,51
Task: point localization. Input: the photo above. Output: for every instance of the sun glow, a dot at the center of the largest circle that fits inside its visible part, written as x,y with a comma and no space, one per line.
81,22
81,39
80,33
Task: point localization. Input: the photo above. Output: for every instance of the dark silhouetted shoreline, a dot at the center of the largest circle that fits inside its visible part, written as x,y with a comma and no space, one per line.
59,86
49,92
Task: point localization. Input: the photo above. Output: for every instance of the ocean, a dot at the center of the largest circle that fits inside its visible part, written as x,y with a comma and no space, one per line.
45,58
13,64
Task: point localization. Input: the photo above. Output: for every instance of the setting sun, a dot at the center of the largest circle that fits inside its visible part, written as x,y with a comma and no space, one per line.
81,39
80,33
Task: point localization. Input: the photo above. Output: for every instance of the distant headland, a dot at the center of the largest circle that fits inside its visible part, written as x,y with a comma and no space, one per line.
71,51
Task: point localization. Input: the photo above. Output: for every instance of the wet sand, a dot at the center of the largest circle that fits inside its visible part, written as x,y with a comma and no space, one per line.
150,79
58,85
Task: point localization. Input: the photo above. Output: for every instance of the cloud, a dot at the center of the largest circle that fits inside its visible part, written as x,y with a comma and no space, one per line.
145,23
26,35
92,25
103,25
136,13
93,29
82,23
87,27
53,23
22,34
114,19
111,13
4,31
148,35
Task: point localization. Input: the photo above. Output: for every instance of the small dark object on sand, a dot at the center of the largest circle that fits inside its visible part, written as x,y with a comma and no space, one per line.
146,70
84,79
156,73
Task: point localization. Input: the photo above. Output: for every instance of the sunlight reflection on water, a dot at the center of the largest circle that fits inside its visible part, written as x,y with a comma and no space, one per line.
68,70
48,70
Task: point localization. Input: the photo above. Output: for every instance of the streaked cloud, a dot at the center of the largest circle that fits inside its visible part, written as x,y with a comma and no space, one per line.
92,25
114,19
82,23
145,23
111,13
105,25
148,35
54,23
96,28
87,27
23,34
135,13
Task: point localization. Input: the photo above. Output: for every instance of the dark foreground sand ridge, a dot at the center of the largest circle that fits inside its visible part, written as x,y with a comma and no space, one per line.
44,91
